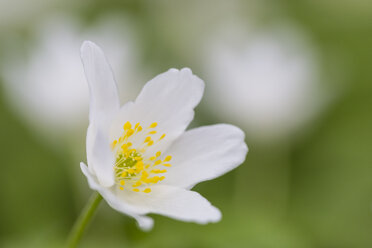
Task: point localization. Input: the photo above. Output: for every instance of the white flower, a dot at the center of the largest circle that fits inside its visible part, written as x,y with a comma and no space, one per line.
266,81
141,159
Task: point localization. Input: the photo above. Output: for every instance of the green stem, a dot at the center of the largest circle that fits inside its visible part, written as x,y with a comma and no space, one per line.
83,220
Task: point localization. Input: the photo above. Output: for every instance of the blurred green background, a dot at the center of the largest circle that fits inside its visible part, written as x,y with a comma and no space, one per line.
306,185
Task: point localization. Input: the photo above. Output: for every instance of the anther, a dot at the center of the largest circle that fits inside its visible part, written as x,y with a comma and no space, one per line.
153,125
127,125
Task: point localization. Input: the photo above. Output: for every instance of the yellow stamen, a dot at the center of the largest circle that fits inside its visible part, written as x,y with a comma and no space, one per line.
130,132
158,171
167,158
113,144
155,179
134,166
153,125
137,184
139,165
124,147
162,137
145,174
127,125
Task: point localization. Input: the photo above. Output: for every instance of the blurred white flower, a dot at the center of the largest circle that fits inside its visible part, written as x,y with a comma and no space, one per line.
49,87
140,158
266,81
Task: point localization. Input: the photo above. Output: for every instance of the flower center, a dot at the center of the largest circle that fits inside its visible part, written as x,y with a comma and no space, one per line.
134,168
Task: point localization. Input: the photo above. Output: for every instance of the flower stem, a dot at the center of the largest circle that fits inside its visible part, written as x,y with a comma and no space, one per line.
83,220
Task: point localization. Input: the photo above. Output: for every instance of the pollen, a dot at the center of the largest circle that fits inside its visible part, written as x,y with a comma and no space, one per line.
113,144
167,158
136,168
153,125
162,137
127,125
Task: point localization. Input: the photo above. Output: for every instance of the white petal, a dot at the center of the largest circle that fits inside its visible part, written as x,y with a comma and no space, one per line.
99,155
92,180
205,153
169,99
117,202
144,222
104,103
177,203
109,194
104,100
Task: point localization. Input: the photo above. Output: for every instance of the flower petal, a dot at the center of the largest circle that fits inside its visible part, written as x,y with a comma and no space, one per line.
117,203
99,156
205,153
169,100
177,203
104,103
104,99
144,222
166,200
